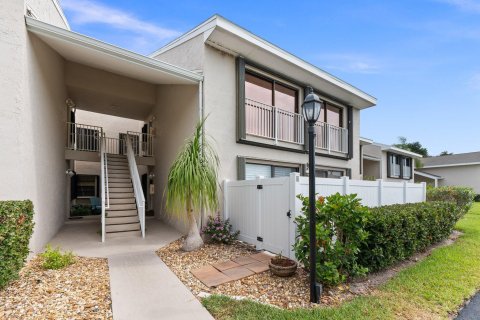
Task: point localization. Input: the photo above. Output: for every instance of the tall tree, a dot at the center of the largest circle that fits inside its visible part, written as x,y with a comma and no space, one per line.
411,146
445,153
192,184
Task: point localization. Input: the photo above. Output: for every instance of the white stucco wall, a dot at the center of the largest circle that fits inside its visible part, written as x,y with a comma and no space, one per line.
111,125
189,55
32,123
468,176
48,11
176,116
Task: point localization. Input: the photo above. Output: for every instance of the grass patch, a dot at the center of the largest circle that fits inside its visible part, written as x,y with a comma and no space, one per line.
431,289
55,259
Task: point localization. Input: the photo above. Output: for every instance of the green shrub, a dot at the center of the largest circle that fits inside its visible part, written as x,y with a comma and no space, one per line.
340,232
462,196
477,198
398,231
55,259
16,227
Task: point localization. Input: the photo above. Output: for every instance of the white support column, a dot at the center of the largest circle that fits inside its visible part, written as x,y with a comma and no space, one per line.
424,187
405,186
225,199
346,185
380,192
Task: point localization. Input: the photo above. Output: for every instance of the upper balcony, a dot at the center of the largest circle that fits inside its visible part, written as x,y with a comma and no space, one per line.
278,125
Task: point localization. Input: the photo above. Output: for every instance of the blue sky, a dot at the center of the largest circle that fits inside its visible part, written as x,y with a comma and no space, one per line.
420,58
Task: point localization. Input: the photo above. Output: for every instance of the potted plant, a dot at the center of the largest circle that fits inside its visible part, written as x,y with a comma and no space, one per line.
283,266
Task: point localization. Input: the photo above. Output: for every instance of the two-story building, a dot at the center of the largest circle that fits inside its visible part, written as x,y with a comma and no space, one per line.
250,89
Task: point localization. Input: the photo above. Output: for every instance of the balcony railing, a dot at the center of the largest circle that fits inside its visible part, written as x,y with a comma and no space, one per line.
83,137
273,123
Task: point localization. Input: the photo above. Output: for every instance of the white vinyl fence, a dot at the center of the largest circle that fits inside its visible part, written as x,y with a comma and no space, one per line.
264,210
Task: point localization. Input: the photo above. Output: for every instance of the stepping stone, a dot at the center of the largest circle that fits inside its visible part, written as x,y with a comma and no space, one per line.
222,266
258,267
210,276
262,256
244,260
238,273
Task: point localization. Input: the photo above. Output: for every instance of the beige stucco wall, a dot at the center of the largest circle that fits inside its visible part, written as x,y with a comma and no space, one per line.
32,123
48,11
468,176
189,55
176,115
111,125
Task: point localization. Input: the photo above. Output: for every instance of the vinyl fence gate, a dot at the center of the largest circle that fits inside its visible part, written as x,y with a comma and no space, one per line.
264,210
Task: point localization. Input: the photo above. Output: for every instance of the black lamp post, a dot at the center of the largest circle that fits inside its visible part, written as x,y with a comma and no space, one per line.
311,111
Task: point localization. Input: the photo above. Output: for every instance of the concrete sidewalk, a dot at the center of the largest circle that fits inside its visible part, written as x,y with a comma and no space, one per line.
144,288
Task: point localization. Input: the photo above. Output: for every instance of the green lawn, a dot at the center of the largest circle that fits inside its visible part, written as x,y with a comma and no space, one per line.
431,289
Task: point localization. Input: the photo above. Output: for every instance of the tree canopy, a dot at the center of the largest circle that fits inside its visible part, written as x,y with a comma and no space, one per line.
411,146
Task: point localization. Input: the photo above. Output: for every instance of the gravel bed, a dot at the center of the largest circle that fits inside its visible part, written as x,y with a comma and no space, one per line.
292,292
79,291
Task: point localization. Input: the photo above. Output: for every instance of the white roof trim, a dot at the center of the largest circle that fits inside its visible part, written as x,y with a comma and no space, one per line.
49,30
367,157
62,14
452,165
398,150
218,21
427,175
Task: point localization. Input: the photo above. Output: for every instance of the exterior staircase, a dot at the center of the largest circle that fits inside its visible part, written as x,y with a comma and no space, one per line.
122,216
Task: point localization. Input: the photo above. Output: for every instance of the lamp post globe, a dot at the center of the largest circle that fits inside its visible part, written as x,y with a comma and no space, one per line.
312,106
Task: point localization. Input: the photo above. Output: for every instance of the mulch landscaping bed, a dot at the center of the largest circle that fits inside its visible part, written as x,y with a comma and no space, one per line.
79,291
288,293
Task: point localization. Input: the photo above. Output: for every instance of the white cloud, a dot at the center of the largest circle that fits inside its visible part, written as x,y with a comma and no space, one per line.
349,63
82,12
472,6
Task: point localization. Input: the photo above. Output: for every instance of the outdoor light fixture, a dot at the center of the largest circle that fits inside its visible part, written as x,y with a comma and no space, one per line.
151,175
70,173
312,106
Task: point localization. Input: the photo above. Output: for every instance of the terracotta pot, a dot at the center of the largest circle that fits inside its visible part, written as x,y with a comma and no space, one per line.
283,267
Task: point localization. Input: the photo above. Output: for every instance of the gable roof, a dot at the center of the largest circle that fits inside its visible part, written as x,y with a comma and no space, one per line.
229,37
393,149
460,159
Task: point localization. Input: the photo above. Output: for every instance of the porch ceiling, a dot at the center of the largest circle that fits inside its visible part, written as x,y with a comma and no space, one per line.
94,53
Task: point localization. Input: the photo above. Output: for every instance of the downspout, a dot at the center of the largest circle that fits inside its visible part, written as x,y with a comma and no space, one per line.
201,114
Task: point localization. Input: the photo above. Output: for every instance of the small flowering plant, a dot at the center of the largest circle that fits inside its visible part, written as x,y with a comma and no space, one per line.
219,231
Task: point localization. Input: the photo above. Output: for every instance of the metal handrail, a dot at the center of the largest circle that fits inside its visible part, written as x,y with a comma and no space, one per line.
102,177
144,145
137,184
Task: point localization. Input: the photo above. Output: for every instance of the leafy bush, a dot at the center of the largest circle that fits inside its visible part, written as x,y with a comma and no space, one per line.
477,198
398,231
340,232
462,196
55,259
219,231
16,227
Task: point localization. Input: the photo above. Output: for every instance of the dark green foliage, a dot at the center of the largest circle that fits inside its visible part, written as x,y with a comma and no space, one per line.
411,146
220,231
16,227
55,259
398,231
340,232
477,198
462,196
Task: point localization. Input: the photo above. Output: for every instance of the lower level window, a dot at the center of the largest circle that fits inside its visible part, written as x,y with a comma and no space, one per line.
253,170
87,186
329,173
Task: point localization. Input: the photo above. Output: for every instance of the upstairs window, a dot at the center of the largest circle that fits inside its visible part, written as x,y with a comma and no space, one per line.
270,92
332,115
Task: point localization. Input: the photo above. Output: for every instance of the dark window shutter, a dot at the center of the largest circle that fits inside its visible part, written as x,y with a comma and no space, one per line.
241,162
241,128
73,187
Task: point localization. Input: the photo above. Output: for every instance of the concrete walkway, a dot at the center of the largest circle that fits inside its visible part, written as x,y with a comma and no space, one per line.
144,288
472,310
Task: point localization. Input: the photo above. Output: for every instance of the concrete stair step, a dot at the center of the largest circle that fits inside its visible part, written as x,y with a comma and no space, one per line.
116,159
121,220
119,171
122,201
120,184
122,213
118,156
114,207
111,235
118,175
121,180
121,195
122,227
118,188
117,167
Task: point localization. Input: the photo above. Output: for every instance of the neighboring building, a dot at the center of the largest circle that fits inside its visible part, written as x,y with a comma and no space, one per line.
251,90
386,162
461,169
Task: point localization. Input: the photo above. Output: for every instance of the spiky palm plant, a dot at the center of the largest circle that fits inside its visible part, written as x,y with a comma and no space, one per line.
192,183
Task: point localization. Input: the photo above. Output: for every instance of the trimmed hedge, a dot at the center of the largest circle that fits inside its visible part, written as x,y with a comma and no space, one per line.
462,196
396,232
16,227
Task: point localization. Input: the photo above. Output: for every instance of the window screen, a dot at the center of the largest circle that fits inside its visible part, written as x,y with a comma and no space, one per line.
253,170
